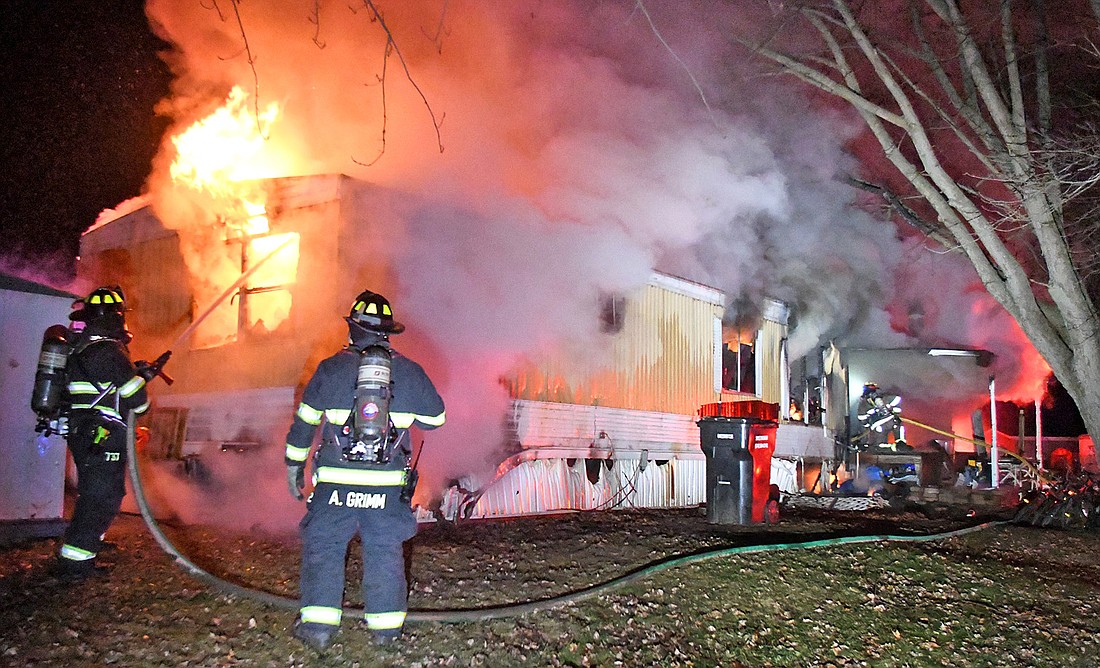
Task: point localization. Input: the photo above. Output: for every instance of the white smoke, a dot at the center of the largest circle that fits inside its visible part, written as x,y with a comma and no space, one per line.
581,150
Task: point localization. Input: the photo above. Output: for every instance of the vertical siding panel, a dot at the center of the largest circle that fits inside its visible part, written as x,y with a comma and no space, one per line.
771,340
662,360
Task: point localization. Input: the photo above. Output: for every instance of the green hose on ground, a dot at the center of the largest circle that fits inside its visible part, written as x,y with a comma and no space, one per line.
512,609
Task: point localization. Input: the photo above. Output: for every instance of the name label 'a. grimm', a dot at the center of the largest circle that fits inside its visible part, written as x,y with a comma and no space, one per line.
358,500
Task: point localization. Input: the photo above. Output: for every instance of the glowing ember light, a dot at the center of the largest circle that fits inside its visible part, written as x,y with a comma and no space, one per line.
268,304
256,223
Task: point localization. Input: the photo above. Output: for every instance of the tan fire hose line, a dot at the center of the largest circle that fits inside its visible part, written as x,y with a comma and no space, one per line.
1028,465
500,611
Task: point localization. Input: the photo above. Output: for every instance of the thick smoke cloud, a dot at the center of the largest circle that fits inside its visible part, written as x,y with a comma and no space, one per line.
581,150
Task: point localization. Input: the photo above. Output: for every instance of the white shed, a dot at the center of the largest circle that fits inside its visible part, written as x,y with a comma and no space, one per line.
32,478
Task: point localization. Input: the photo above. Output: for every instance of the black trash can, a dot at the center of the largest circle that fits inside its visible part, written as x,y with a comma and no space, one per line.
725,442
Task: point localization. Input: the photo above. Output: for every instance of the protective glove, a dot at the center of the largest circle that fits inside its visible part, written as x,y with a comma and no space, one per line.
296,480
150,370
145,370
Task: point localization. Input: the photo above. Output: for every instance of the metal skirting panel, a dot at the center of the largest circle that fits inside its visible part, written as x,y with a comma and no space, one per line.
643,459
540,424
794,439
553,485
546,486
785,475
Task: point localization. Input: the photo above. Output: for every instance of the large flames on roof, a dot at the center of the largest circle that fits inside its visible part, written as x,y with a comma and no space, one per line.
219,166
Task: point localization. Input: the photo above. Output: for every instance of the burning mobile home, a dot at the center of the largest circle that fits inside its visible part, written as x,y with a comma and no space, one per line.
625,436
619,431
236,365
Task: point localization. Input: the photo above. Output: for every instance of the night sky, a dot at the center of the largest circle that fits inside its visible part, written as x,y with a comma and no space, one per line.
80,82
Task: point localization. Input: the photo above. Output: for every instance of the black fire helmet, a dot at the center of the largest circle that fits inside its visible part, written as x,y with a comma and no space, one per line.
102,306
372,311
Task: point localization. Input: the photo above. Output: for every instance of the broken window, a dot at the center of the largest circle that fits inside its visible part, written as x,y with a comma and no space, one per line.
260,288
612,314
738,367
264,299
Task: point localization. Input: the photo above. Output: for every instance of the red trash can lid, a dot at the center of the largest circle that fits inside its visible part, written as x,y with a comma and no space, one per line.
760,410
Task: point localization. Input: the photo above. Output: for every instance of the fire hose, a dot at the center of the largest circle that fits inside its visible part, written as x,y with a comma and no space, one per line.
466,614
511,609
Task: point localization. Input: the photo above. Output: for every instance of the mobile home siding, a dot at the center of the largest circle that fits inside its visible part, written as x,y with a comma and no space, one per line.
771,338
662,360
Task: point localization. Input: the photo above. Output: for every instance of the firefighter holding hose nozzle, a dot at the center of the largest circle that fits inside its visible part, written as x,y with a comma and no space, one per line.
368,396
879,414
102,388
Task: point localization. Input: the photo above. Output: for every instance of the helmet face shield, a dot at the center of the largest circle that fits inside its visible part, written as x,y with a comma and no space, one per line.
373,312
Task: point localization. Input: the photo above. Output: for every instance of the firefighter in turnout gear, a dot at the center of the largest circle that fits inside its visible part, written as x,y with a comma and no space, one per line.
361,473
879,414
104,387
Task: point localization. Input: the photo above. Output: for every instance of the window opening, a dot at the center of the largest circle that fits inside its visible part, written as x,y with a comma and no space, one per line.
612,313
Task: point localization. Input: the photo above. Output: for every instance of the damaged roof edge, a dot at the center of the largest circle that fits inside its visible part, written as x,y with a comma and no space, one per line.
688,288
135,227
133,221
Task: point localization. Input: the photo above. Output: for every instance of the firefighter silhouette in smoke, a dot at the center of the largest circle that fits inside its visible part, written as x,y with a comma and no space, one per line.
368,396
879,414
104,387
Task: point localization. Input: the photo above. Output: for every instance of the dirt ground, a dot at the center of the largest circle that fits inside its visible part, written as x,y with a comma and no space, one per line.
794,607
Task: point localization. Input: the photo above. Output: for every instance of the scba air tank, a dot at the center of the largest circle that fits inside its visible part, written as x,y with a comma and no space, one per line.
49,378
373,391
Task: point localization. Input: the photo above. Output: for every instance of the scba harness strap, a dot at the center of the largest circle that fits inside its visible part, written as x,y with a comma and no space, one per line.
90,387
354,451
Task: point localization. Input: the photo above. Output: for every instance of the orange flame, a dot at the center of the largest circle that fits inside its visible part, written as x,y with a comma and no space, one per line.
221,160
225,147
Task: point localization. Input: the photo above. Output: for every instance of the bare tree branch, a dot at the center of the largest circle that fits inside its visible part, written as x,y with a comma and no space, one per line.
315,19
252,66
385,114
392,47
964,107
437,38
1012,66
898,205
1022,202
640,6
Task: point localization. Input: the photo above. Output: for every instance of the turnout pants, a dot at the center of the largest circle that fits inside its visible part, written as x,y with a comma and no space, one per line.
335,514
99,452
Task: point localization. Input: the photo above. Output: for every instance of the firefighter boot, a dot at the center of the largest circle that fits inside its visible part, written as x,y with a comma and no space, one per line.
317,636
72,572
